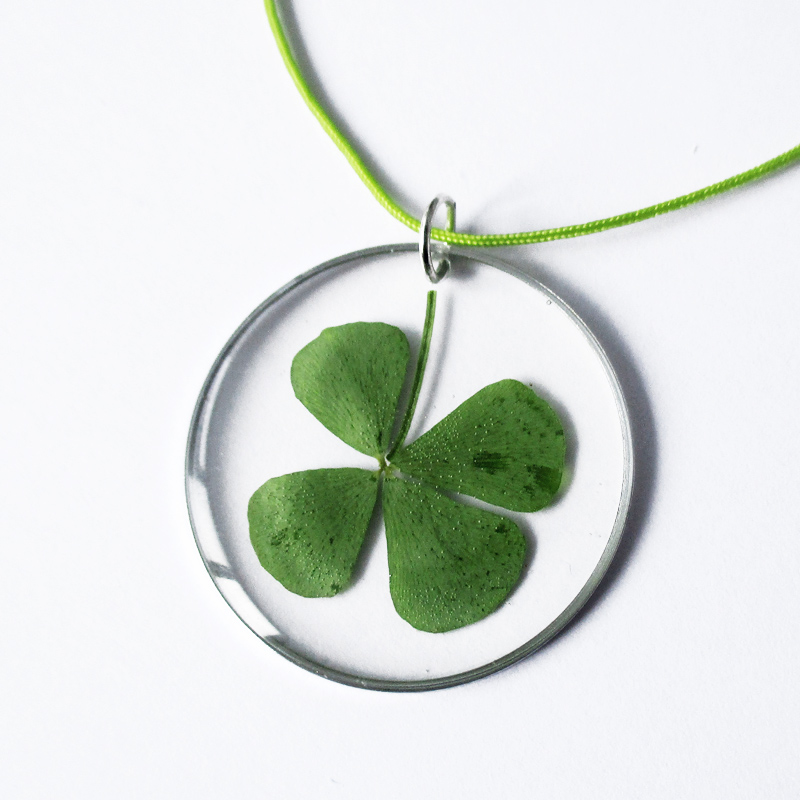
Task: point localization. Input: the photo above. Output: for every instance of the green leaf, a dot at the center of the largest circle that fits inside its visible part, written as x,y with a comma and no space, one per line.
449,564
307,528
504,445
350,378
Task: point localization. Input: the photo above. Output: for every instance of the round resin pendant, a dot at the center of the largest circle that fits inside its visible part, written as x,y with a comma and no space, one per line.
492,324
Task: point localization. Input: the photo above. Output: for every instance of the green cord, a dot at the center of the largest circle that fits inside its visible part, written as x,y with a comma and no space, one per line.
501,239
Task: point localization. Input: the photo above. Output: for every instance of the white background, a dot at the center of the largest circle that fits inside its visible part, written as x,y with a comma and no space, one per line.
159,176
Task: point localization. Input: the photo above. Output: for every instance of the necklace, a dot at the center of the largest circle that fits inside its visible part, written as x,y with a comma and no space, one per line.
297,628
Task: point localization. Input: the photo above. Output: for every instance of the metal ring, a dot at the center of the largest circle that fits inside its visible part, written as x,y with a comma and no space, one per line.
436,271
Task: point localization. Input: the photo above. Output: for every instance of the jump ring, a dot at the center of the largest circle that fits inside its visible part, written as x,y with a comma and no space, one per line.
436,270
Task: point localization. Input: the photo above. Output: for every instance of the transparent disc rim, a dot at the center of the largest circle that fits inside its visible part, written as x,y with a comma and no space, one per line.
546,634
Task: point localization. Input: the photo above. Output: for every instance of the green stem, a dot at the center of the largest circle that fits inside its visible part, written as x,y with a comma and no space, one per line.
419,372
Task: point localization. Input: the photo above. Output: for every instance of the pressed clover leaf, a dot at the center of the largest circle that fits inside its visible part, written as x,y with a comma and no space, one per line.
350,379
307,528
450,564
504,445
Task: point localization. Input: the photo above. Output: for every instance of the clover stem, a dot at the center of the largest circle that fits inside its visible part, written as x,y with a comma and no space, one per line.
419,372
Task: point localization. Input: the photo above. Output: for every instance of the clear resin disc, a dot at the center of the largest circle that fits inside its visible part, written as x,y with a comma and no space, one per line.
492,323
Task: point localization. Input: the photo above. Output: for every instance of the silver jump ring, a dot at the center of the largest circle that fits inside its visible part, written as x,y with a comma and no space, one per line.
436,270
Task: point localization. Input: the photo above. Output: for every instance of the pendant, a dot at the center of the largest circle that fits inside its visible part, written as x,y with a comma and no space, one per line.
495,327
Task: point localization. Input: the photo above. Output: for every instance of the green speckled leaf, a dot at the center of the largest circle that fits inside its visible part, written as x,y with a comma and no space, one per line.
504,445
350,378
449,564
307,528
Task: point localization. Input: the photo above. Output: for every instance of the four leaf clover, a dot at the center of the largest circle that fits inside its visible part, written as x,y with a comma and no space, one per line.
450,564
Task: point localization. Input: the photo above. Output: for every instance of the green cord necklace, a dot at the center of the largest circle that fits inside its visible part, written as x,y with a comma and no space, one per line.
502,239
487,473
